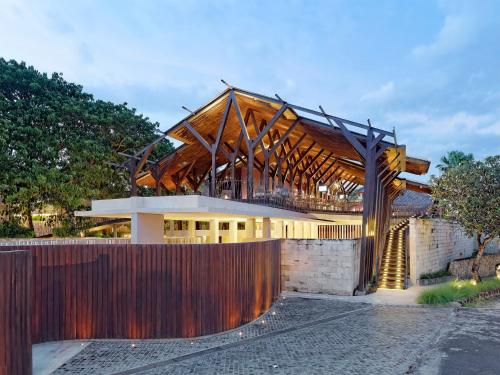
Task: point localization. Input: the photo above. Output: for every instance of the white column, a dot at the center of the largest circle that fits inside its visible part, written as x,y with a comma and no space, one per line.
250,228
146,229
307,229
314,230
233,231
278,229
192,230
266,227
214,231
171,232
297,229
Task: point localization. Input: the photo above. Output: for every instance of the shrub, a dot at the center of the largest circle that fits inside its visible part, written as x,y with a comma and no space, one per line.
435,275
14,229
456,290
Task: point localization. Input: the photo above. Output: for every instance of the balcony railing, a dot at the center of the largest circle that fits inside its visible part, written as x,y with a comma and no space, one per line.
285,198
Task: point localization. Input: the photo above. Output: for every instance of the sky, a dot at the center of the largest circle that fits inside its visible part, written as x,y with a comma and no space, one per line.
431,69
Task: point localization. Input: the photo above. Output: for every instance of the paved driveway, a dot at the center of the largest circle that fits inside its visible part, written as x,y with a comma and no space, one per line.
315,336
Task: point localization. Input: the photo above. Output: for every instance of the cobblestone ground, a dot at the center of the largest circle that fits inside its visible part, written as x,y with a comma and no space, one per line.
298,336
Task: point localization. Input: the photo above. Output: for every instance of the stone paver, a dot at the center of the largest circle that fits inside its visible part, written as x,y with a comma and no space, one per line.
298,336
317,336
376,341
111,356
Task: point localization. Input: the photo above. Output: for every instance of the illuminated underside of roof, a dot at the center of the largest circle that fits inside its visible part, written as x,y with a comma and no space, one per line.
314,143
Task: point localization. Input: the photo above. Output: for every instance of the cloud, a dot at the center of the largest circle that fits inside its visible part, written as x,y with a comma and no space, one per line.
430,135
456,33
290,83
493,129
454,124
381,94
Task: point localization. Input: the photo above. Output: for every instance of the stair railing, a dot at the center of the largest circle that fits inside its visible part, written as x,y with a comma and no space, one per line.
407,263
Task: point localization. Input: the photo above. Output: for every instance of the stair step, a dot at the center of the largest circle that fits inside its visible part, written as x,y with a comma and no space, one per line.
393,267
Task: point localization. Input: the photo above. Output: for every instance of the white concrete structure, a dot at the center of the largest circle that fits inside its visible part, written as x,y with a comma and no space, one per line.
228,220
146,228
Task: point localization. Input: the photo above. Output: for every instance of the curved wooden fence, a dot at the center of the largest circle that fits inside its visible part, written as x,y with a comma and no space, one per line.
150,291
15,303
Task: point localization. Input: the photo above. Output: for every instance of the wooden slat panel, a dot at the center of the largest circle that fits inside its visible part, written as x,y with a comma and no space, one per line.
15,312
147,291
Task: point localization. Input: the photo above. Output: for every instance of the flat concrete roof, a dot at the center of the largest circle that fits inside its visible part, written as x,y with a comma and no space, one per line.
188,206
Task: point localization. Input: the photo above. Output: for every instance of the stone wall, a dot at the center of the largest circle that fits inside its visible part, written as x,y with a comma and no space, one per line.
433,244
462,268
320,266
493,247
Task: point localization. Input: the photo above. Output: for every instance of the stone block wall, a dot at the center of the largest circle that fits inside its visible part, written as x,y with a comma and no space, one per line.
493,247
462,268
320,266
433,244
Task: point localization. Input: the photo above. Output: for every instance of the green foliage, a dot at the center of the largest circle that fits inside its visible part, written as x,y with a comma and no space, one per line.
469,194
68,226
454,159
102,234
435,275
13,229
456,290
57,142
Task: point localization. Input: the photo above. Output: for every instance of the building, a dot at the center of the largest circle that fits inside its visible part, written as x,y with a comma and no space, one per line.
257,167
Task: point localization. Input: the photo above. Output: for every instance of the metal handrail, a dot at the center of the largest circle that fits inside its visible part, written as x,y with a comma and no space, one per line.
407,263
291,199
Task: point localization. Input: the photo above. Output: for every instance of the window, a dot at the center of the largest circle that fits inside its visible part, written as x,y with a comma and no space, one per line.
202,225
224,225
241,225
180,225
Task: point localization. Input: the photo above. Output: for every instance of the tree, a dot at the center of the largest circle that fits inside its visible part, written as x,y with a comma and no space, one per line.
469,194
454,159
57,143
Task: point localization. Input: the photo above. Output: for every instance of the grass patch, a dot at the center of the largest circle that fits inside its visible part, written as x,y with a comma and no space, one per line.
456,290
435,275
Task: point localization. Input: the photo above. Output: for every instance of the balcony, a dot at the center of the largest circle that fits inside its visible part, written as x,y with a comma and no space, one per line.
285,198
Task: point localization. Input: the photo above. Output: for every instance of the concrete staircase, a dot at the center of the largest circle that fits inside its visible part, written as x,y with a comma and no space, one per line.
393,268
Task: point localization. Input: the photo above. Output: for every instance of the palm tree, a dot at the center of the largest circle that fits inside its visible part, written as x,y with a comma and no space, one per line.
454,159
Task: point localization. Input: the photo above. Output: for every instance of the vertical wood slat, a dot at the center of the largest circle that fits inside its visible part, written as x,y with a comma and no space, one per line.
339,231
149,291
15,312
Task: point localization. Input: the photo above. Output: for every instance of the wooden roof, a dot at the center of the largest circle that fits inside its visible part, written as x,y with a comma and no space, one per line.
320,140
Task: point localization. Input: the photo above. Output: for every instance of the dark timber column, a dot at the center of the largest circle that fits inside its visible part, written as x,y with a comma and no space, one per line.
233,177
280,173
266,170
373,198
213,174
250,174
369,201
